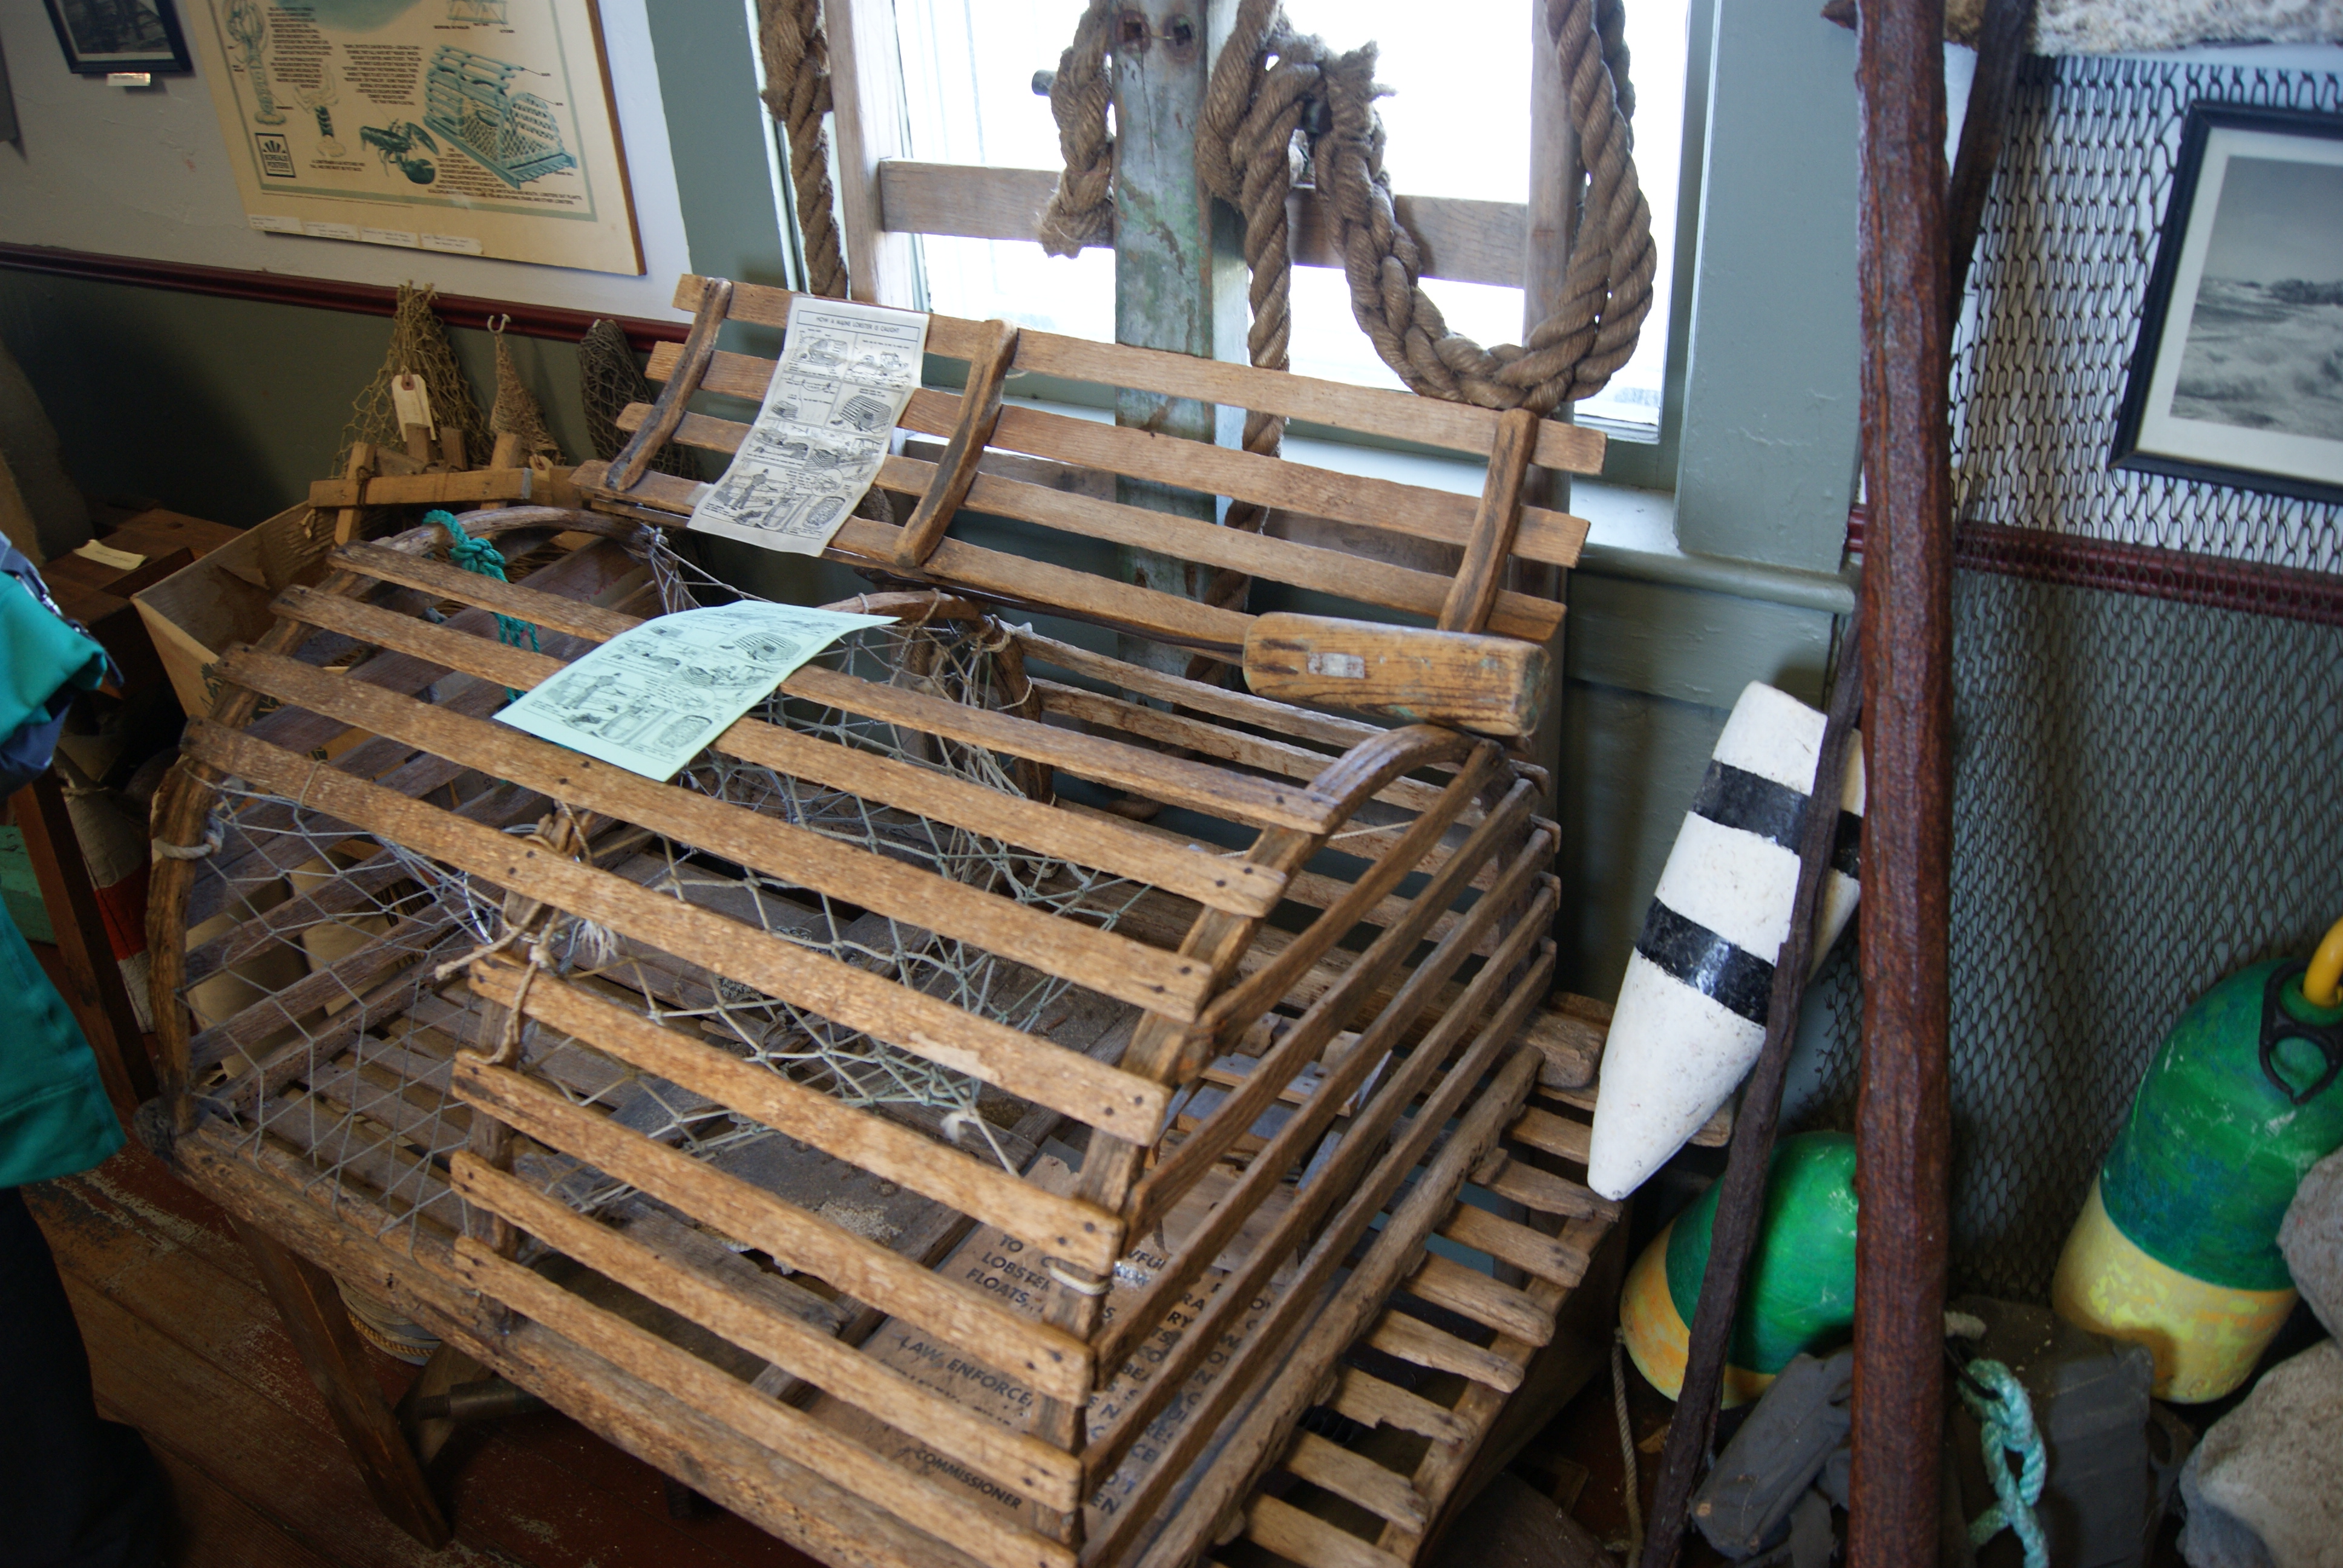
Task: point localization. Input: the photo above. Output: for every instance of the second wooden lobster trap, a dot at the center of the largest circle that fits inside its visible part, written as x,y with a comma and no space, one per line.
977,1108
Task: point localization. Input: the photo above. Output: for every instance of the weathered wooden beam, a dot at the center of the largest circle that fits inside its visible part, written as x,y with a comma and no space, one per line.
866,83
1903,1123
1468,241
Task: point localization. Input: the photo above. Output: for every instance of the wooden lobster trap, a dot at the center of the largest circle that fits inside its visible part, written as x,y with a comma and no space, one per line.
974,1111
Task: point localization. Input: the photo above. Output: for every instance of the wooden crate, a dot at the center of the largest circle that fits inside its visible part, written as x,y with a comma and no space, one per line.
1183,1111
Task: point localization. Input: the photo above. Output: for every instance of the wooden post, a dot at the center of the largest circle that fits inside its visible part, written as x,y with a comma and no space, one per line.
319,1326
1903,1124
1178,264
94,987
1551,227
866,84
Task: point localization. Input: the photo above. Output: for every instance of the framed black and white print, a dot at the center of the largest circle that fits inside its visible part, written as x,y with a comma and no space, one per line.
2237,374
103,37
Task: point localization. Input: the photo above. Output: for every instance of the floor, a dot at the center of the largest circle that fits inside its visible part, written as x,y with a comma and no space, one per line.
185,1345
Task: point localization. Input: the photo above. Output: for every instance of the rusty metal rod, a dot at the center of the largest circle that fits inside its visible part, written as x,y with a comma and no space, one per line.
1741,1203
1902,1126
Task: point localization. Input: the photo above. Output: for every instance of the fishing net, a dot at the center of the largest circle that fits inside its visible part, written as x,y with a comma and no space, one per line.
608,380
2145,669
419,345
515,412
345,1020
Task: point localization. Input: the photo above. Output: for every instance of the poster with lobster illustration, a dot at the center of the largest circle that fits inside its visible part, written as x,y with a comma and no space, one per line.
471,127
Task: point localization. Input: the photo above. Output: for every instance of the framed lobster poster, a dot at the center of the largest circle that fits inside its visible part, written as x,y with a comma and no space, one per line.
472,127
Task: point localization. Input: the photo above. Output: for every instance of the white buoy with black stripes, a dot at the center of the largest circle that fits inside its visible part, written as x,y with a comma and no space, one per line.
1691,1018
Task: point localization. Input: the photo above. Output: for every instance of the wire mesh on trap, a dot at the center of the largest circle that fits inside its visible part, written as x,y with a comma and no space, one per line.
370,935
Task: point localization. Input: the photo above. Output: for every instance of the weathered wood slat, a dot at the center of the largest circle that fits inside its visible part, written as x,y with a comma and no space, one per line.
1294,763
1357,1478
1547,1257
1309,1539
1557,1135
1481,1298
1124,849
1105,962
1064,1227
1414,1340
721,1306
1043,1357
980,408
1458,427
1214,790
1367,1398
1030,1068
1544,1192
780,1427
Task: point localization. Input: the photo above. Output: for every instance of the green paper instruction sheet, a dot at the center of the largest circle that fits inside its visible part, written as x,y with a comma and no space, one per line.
652,699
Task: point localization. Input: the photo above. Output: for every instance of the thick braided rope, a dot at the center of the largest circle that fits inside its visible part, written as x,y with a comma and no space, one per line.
1081,211
1607,290
796,93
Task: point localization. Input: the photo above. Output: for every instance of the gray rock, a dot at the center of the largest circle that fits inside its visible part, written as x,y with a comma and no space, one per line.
2271,1471
2312,1240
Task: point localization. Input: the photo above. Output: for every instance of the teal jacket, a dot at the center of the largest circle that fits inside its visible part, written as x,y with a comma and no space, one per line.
54,1116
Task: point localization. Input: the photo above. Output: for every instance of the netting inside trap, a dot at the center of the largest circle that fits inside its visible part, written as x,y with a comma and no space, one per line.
350,1017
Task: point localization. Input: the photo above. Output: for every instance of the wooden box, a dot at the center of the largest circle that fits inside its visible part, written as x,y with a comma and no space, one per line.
973,1111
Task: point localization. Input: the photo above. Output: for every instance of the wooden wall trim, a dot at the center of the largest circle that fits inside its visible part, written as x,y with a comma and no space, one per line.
2185,577
324,294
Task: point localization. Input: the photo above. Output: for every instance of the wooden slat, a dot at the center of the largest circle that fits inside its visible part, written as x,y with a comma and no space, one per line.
1300,723
1309,1539
1390,505
713,297
1486,1300
1175,781
1125,849
1356,1478
1547,1257
1468,241
1296,762
1115,966
1063,1227
1418,1343
1031,1068
784,1429
723,1306
1474,594
1458,427
1557,1135
1367,1398
1546,1191
979,410
1045,1358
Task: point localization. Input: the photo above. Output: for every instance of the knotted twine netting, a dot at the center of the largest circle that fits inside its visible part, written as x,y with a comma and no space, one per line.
351,1027
419,345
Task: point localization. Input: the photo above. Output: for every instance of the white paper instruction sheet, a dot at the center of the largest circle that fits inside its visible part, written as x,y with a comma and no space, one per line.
846,372
651,698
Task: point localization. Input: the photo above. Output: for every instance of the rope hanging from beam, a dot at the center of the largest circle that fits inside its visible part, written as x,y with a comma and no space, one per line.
1270,83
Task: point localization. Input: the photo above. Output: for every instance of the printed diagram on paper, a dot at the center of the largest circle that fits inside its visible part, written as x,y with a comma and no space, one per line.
846,372
650,698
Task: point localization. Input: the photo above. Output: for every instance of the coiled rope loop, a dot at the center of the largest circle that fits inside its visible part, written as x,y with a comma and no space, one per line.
2007,1416
1271,83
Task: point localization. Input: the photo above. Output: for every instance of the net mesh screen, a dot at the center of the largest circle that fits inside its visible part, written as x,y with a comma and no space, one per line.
2146,725
347,1010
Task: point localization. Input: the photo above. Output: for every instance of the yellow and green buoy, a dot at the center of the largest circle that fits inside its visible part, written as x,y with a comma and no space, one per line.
1799,1295
2177,1248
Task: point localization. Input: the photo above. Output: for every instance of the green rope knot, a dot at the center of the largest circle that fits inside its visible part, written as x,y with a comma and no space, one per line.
479,556
2007,1416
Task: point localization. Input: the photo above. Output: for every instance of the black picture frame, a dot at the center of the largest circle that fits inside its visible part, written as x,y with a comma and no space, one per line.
2241,350
100,37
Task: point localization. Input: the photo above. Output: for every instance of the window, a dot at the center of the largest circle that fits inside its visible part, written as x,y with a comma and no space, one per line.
1459,127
